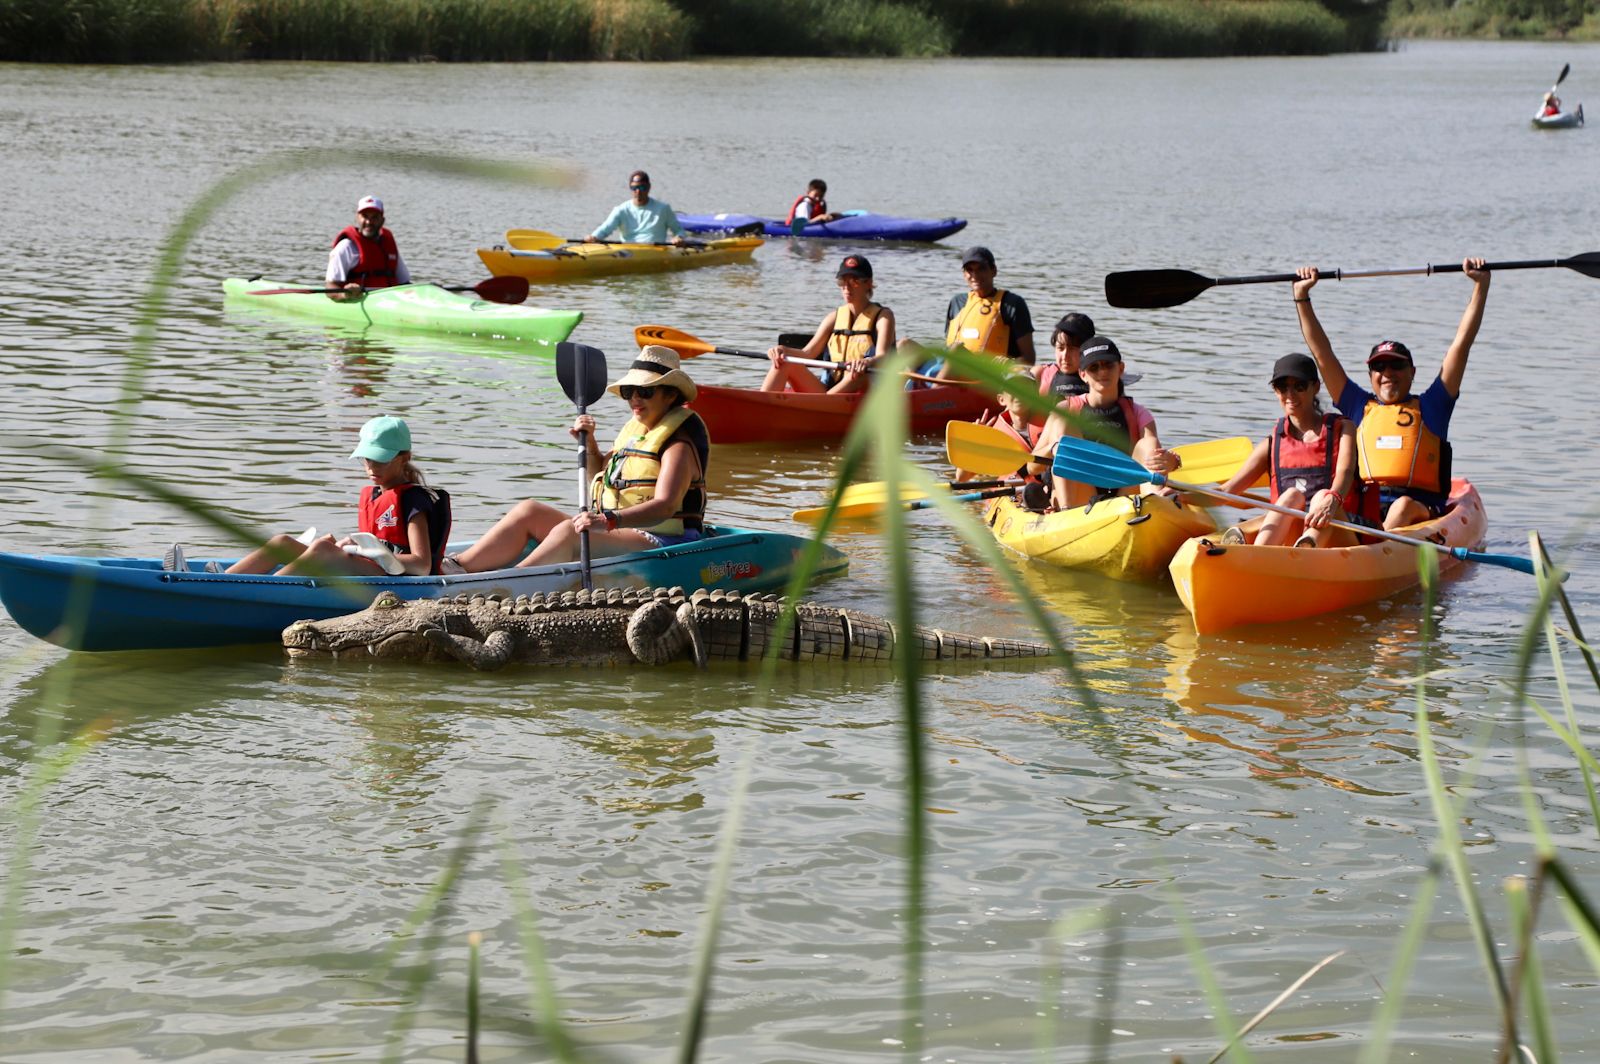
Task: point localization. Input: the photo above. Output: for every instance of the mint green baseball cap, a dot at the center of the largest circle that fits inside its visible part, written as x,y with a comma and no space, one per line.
382,438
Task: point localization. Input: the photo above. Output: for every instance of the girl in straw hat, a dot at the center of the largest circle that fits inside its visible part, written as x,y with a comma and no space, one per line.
649,490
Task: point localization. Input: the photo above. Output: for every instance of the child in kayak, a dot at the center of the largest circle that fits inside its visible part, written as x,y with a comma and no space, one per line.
1061,378
1013,419
1106,415
650,490
810,207
851,336
1310,460
403,524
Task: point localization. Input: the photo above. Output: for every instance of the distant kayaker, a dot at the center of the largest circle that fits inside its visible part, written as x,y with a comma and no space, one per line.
811,206
852,336
1552,105
641,220
364,255
402,524
1402,440
1061,378
1310,460
1106,415
649,489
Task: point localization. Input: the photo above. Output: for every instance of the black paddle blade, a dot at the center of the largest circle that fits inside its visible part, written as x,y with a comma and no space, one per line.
1154,289
581,369
793,339
1566,68
1587,264
502,289
748,229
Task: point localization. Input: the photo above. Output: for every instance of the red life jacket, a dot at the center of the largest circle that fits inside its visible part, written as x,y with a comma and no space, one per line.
1028,438
380,258
1053,381
1310,461
817,211
1121,416
379,512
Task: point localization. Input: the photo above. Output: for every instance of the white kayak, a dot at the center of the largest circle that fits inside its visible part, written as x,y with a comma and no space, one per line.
1564,120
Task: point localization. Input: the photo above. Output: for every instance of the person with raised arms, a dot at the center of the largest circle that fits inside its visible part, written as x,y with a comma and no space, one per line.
641,219
1112,418
649,490
810,207
852,336
1402,439
364,255
1310,463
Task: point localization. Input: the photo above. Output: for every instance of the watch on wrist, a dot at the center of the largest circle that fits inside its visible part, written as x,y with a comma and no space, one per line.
610,519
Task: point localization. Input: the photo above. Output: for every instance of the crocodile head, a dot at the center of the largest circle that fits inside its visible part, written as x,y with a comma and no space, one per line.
391,628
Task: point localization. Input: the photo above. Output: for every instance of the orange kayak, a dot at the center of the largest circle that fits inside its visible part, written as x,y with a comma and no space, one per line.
745,415
1224,586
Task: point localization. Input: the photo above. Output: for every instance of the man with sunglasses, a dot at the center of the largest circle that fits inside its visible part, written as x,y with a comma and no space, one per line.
1402,439
641,220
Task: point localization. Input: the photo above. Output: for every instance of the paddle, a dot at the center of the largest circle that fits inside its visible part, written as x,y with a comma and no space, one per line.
870,507
689,346
539,240
1106,467
495,290
991,451
581,369
1566,68
1153,289
865,490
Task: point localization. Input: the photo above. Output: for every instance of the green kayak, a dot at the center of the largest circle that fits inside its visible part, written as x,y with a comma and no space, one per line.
420,307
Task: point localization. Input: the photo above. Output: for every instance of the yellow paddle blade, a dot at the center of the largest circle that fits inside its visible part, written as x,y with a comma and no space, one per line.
868,491
686,345
985,450
1213,461
860,508
532,240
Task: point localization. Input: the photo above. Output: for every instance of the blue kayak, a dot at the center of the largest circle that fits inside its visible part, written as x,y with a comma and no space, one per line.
133,604
853,226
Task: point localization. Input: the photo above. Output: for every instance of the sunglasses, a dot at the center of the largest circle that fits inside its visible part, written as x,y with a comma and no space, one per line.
638,188
1389,365
628,391
1290,384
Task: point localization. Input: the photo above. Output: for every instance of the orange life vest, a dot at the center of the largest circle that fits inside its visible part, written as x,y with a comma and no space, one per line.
1397,450
978,327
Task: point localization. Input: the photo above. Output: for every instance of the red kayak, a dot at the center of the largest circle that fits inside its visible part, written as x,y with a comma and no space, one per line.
744,415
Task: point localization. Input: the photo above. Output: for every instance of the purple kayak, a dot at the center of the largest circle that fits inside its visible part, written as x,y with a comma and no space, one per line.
854,225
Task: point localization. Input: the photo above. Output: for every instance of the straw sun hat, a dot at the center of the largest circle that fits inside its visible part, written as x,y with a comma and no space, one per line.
656,365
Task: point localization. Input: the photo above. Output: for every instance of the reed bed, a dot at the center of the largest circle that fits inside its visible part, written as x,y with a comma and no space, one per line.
1577,20
139,31
420,949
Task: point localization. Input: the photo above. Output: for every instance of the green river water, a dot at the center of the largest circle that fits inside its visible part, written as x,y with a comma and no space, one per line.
213,881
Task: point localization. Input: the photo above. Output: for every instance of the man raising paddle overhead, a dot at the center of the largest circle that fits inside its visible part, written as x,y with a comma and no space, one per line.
364,255
1402,443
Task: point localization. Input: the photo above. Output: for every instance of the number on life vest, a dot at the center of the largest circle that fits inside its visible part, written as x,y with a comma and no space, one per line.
1404,417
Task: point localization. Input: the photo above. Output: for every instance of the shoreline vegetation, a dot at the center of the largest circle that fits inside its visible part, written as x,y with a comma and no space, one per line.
147,31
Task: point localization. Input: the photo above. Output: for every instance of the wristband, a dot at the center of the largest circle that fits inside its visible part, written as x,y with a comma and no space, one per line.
1307,299
612,524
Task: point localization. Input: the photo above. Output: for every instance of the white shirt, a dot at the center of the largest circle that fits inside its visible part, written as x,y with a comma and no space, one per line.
345,256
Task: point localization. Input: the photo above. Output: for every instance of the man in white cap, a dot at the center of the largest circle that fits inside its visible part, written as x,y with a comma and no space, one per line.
364,255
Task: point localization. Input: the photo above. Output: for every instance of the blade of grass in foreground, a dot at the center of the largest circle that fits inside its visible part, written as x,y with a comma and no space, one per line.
542,1001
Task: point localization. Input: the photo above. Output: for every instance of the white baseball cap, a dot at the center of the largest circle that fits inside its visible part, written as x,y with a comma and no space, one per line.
370,203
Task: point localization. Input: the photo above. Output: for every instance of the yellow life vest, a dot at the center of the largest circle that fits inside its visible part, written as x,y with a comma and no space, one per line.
978,327
634,466
1397,450
854,335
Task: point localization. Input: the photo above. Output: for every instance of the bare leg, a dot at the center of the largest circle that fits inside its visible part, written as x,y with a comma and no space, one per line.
503,544
1404,511
325,556
561,545
277,551
790,378
1278,529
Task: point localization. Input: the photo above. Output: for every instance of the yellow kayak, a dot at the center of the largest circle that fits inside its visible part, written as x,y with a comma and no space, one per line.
1224,586
1126,537
579,260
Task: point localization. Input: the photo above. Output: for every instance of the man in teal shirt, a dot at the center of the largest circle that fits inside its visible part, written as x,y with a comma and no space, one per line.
641,220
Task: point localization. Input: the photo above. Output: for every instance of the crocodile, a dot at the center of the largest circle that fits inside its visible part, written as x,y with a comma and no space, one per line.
650,626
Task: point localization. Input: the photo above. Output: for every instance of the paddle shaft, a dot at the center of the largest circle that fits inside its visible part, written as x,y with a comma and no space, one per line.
583,495
1401,271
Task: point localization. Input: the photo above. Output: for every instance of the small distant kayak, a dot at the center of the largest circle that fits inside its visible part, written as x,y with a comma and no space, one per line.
134,604
416,307
747,415
1225,586
573,261
1126,537
864,226
1564,120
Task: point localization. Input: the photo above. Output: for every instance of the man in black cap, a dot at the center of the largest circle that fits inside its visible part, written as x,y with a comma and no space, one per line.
986,318
1402,440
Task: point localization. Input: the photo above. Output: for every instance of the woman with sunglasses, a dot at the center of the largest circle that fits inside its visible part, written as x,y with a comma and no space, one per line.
851,336
641,219
1310,463
649,490
1402,439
